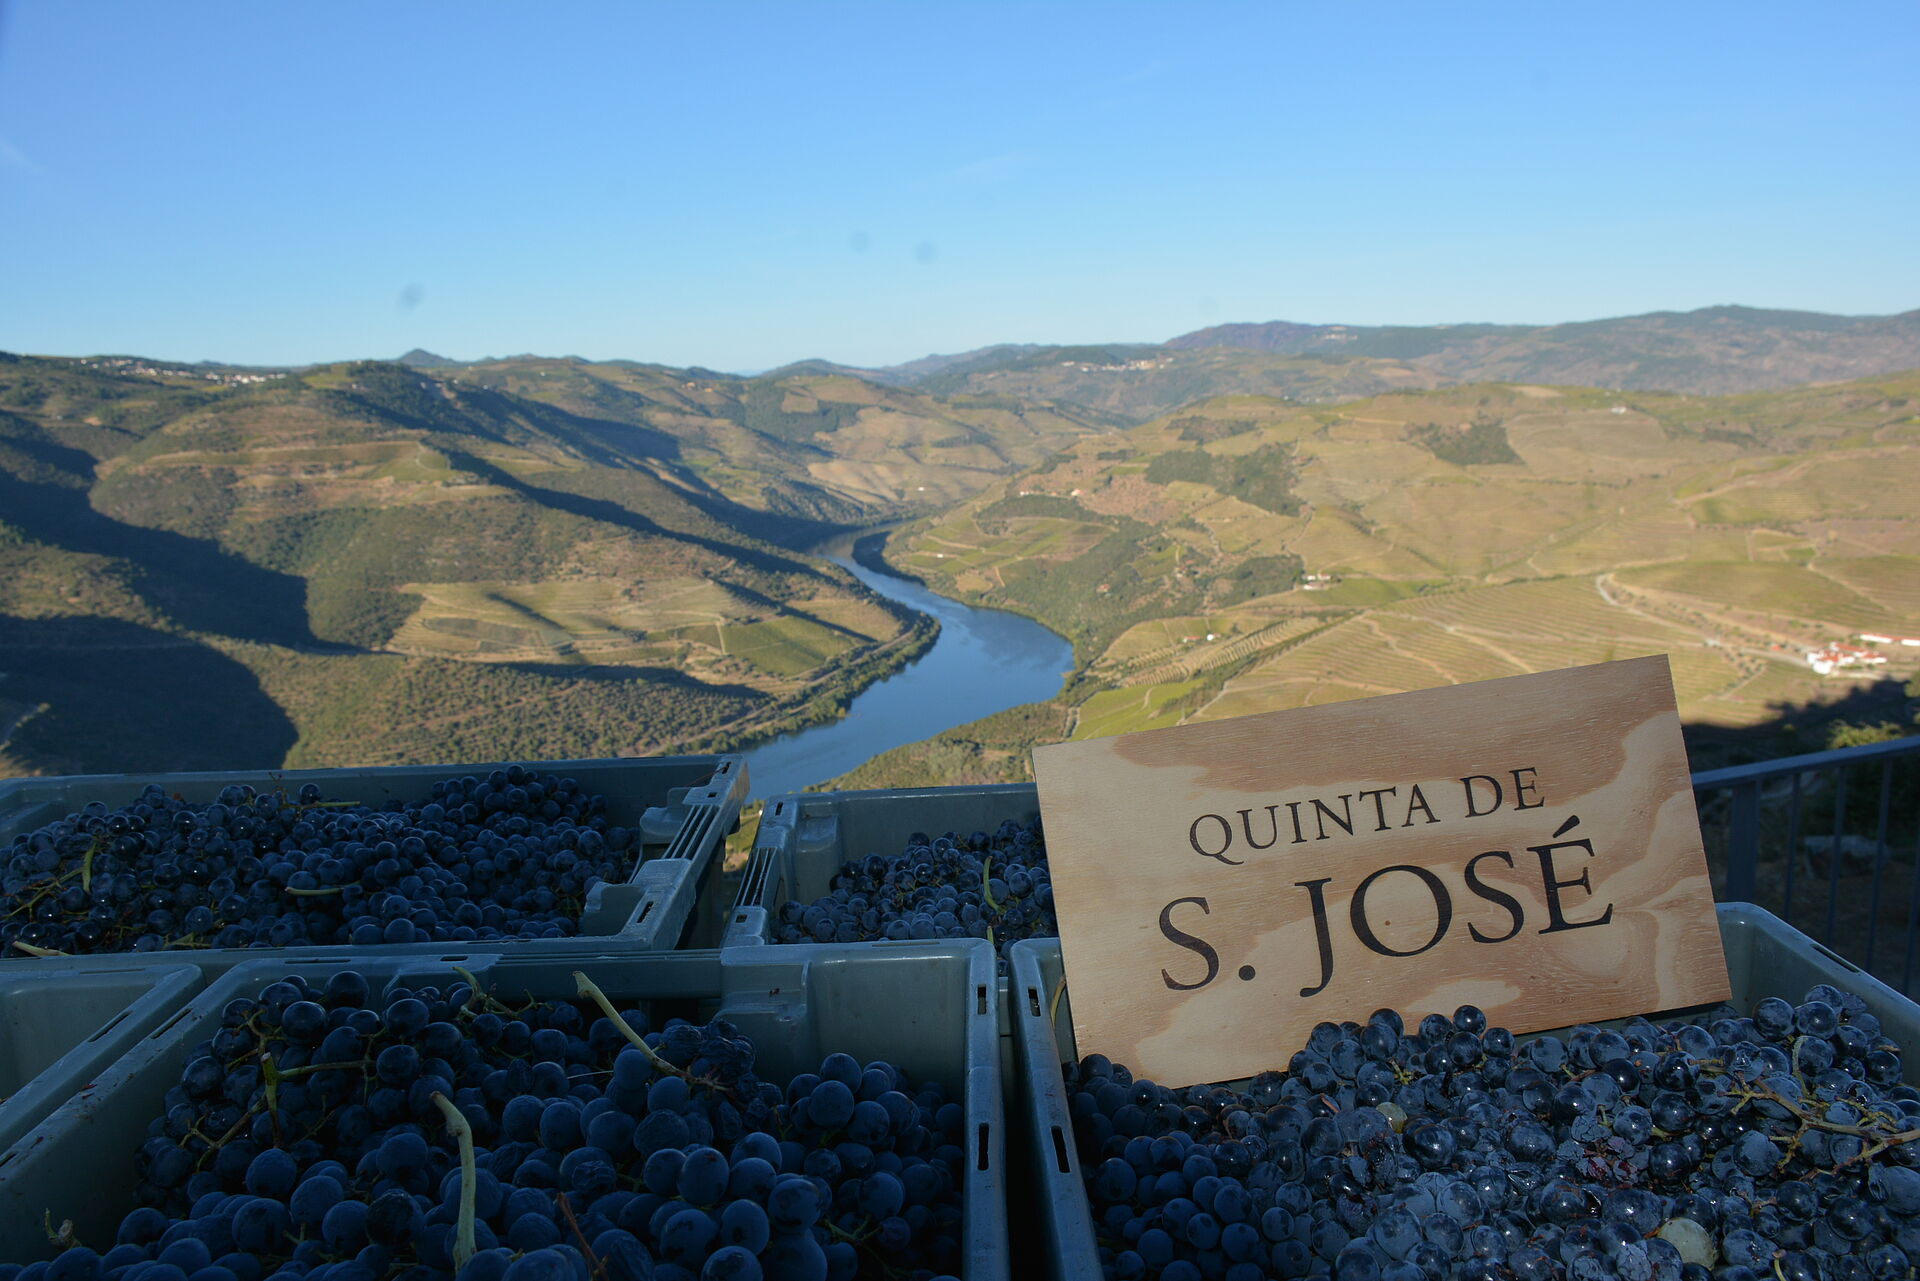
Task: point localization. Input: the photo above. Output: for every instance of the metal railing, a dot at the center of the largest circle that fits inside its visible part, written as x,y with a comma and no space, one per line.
1849,819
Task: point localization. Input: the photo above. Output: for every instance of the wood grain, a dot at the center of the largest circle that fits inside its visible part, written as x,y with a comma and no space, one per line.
1598,744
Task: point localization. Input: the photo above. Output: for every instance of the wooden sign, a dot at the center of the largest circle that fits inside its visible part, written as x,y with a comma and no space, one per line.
1528,845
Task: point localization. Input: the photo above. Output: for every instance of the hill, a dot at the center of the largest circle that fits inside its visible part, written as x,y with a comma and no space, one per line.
1128,384
208,564
1712,351
378,563
808,444
1250,553
419,358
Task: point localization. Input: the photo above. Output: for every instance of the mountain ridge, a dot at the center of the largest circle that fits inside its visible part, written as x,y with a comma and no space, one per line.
1246,554
1718,350
596,557
523,557
1732,347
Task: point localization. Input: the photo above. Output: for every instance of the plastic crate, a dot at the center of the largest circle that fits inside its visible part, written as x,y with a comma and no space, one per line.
1765,957
929,1007
805,837
683,808
60,1026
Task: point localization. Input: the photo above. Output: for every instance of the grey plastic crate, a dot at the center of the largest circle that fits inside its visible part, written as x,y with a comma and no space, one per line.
804,837
929,1007
683,808
59,1027
1765,957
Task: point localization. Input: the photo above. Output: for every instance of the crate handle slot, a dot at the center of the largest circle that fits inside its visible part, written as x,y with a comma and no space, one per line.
1033,1002
980,999
112,1023
981,1160
169,1025
1060,1151
1835,957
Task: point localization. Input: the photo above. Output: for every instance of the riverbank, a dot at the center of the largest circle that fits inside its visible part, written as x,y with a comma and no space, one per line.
982,662
832,696
869,550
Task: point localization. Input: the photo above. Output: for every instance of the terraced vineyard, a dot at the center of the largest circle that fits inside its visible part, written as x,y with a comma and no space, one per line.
365,563
1205,655
1473,635
1459,535
547,557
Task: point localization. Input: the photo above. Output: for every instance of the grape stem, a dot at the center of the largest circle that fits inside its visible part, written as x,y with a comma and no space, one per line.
1821,1123
986,885
477,997
233,1132
463,1135
1891,1141
86,864
287,1074
595,1266
866,1231
27,905
31,950
271,1074
270,1077
591,990
1882,1140
588,988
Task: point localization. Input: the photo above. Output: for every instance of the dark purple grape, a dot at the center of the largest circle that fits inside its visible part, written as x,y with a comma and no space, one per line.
312,873
1561,1165
371,1188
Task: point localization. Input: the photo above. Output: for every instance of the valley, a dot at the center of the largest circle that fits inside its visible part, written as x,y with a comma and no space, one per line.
378,563
386,562
1423,539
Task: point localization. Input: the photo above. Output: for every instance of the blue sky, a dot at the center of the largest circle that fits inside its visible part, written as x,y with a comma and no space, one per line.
740,185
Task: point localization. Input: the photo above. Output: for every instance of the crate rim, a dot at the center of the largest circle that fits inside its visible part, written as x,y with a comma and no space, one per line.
977,1081
663,889
1067,1228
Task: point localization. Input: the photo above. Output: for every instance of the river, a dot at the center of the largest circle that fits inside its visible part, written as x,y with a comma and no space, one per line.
984,661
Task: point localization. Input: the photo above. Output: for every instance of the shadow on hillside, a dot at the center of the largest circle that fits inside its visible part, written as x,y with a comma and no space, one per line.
787,530
614,444
612,513
122,698
668,677
191,580
481,411
606,441
1796,728
74,462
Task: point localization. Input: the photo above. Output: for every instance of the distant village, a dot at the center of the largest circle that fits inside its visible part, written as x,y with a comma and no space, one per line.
1137,366
1841,655
130,365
